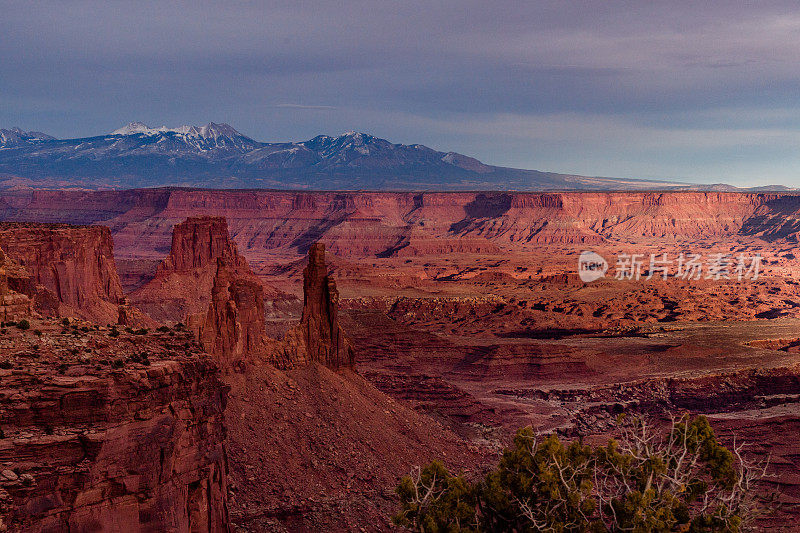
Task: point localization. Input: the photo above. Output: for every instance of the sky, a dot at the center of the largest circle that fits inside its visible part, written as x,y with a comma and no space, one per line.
707,92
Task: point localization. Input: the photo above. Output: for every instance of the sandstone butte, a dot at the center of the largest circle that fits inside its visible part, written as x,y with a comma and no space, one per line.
109,429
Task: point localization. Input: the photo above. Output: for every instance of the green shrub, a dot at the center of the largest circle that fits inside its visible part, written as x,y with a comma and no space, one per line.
642,482
433,500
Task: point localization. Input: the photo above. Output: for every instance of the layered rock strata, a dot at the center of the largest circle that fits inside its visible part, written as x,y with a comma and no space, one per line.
185,279
110,431
13,305
71,268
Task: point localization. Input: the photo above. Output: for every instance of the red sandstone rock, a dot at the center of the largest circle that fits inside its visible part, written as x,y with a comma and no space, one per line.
137,445
74,263
372,223
13,305
197,242
184,280
324,340
234,326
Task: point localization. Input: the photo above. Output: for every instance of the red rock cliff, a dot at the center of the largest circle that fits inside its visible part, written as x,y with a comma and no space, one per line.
197,242
74,263
234,325
13,304
137,445
233,328
413,223
318,337
184,280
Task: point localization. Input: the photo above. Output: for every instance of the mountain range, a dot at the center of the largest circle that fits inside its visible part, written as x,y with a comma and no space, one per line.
218,156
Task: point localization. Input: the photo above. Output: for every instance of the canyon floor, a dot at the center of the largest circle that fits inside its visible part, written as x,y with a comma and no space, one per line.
467,308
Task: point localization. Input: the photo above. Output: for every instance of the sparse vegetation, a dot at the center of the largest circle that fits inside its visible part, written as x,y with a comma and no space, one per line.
642,482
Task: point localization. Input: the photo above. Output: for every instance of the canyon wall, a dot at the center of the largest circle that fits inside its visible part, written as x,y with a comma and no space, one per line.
136,445
392,223
74,263
14,305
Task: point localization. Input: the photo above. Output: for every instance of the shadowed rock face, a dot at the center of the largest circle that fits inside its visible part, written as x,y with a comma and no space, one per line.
185,279
75,264
133,446
13,305
233,328
324,340
234,325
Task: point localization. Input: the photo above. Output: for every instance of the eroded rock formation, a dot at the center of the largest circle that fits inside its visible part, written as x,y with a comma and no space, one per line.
233,328
324,339
234,325
197,242
74,264
184,280
13,305
135,445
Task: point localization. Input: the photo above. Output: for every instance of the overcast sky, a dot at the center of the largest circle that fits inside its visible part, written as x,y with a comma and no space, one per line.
627,89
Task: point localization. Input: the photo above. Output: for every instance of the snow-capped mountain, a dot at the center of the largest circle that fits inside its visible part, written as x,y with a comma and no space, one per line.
201,138
16,137
216,155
